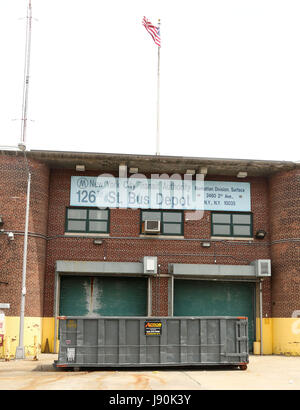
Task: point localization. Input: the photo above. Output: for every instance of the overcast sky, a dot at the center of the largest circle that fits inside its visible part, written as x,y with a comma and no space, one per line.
230,77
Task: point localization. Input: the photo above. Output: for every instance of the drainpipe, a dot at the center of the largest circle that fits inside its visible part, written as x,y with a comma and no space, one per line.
20,351
261,316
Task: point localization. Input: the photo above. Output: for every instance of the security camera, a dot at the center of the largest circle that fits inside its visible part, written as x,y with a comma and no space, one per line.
10,236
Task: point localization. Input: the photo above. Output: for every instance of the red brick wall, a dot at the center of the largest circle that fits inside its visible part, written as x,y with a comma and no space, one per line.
125,244
47,243
13,188
284,194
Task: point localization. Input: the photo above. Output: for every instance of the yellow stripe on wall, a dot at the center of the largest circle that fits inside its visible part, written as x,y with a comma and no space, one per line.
267,330
280,335
48,334
41,328
286,336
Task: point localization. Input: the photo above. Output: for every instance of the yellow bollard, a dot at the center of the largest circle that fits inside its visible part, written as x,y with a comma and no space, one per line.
7,348
35,349
1,346
256,348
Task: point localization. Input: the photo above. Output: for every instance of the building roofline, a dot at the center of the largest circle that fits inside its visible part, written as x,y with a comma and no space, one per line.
102,154
156,163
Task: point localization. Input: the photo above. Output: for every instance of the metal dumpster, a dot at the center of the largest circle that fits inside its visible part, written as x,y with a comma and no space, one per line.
148,341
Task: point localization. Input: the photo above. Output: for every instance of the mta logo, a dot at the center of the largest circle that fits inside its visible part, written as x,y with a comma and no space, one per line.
83,183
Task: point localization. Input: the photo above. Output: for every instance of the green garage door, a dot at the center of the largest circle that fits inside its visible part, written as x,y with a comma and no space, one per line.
207,298
103,296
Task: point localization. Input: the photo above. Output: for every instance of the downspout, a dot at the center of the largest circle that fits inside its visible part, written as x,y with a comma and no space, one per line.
261,316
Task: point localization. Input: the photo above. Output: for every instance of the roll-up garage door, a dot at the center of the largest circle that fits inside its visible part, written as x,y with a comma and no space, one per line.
103,296
212,298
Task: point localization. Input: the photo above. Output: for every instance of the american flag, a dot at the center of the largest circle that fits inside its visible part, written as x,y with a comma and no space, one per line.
152,30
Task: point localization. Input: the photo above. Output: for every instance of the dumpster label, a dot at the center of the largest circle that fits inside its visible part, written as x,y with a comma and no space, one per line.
153,328
71,324
71,354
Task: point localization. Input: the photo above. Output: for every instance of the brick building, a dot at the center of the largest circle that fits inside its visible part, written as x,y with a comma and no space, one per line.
86,260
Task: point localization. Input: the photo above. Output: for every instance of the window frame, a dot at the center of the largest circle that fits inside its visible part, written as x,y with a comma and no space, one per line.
161,211
87,220
231,224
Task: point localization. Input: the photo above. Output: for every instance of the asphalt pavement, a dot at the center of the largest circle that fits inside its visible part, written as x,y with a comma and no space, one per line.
262,373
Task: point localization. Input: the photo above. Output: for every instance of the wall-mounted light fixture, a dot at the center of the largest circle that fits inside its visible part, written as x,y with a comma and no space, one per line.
205,244
242,174
260,234
1,221
133,170
122,170
104,245
191,171
80,168
10,236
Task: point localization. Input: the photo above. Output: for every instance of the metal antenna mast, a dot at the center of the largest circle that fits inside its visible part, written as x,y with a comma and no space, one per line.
26,74
20,350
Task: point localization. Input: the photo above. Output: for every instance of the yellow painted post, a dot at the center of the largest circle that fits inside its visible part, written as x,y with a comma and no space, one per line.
35,349
2,346
7,348
256,348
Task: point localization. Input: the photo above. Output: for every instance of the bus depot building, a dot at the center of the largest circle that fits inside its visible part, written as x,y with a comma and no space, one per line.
153,257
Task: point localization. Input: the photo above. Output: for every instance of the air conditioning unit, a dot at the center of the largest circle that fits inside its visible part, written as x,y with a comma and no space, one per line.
150,264
262,268
152,226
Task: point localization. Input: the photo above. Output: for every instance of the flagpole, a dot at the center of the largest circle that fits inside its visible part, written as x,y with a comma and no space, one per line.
158,95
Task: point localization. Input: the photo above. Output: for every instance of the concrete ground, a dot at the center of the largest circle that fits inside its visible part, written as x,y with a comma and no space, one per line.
263,373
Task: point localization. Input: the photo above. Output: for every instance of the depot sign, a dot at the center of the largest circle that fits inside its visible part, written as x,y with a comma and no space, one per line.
106,191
